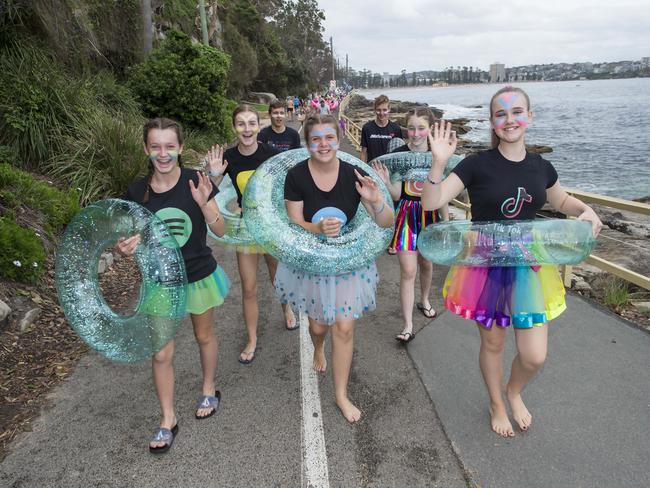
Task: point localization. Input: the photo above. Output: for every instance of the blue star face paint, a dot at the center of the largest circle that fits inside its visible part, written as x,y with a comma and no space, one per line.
323,136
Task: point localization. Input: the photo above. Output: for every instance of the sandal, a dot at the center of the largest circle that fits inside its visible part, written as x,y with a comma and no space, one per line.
163,435
207,401
429,313
405,338
247,361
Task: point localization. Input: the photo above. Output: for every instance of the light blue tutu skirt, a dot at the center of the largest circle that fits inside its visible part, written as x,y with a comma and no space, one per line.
326,299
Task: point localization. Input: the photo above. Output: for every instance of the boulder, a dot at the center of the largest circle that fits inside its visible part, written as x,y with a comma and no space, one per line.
29,318
5,310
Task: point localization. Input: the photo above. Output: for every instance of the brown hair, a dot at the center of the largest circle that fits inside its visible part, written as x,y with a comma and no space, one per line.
380,100
160,123
316,119
494,139
244,107
273,105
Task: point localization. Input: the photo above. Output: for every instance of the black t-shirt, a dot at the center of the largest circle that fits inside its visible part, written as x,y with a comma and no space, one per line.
240,168
300,186
411,190
375,139
500,189
289,139
184,218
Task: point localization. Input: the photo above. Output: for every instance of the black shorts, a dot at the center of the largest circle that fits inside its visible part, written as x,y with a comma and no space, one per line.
289,109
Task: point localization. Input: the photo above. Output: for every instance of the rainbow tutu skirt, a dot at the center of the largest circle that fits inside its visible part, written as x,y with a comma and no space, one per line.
524,296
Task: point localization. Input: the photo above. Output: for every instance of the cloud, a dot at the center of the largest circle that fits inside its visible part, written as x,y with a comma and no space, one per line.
391,35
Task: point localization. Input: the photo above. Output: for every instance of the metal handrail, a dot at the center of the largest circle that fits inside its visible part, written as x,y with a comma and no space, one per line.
353,132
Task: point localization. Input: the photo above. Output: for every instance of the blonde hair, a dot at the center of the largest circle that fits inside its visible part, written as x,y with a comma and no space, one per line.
494,139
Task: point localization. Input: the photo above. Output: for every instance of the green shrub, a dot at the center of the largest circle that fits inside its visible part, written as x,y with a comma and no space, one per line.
101,155
22,256
41,104
18,188
35,102
185,82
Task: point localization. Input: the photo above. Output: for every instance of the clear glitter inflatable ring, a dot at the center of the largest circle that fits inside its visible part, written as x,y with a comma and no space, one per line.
507,243
412,166
163,294
236,234
360,242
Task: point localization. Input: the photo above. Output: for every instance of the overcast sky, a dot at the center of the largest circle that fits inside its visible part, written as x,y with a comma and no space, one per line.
391,35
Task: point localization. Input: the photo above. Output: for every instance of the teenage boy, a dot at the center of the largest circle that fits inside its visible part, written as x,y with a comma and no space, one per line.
277,134
376,134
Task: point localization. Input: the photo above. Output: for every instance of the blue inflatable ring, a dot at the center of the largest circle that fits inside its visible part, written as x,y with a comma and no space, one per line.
163,294
360,242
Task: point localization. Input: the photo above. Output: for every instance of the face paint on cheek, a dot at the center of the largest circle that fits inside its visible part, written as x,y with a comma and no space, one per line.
313,146
499,122
153,155
334,145
173,155
522,120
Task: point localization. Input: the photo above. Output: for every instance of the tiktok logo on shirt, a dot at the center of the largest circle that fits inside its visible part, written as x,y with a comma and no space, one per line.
511,207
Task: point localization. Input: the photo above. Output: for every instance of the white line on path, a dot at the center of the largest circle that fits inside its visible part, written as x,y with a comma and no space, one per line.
314,456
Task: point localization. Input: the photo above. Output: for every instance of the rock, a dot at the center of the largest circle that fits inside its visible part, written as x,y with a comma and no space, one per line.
108,257
642,306
29,319
262,97
579,284
5,310
101,266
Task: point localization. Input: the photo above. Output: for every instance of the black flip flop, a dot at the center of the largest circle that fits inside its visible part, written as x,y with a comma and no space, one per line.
426,311
408,339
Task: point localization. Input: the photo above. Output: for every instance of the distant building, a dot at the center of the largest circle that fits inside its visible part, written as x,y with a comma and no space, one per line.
497,73
385,79
645,62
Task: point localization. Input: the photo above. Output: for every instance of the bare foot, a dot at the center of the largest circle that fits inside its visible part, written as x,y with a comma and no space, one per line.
351,413
290,319
320,362
500,422
520,413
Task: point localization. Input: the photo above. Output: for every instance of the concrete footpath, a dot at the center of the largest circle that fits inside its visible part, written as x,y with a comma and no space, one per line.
425,420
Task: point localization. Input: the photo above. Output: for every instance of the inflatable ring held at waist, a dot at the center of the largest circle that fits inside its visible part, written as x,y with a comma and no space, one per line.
359,243
163,293
413,166
236,234
507,243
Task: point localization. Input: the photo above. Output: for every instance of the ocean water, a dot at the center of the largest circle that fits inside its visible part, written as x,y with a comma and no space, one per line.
599,130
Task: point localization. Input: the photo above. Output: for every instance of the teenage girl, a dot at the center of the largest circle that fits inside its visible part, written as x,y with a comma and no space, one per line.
504,183
174,192
320,193
410,220
239,163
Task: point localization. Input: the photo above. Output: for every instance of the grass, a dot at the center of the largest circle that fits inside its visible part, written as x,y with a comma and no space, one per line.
616,293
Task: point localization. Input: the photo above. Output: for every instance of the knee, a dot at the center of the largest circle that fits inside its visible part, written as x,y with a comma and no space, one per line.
165,355
204,336
494,345
343,333
408,273
533,360
249,292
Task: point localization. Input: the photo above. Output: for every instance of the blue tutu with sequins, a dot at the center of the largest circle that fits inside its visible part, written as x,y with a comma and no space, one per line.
326,299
